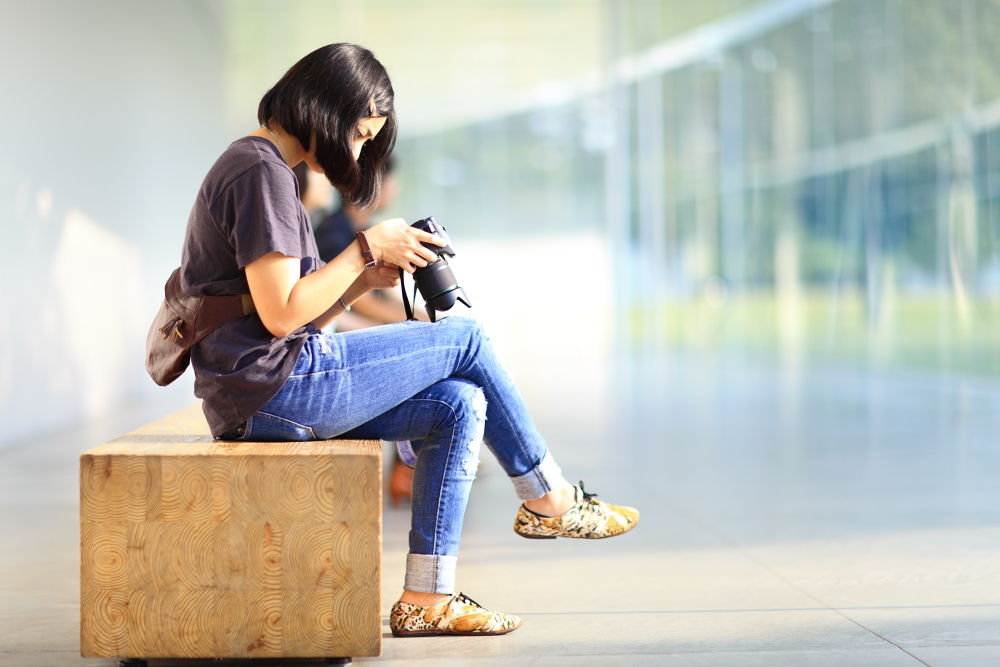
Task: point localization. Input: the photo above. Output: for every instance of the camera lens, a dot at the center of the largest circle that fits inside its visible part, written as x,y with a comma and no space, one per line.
436,281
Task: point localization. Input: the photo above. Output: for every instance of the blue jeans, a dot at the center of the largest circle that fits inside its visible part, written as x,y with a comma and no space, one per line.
439,386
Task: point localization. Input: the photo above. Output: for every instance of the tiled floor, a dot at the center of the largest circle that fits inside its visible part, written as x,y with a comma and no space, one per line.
829,517
790,517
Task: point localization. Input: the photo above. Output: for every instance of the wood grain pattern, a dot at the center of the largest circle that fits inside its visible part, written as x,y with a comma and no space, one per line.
192,548
204,445
308,557
103,556
103,623
263,636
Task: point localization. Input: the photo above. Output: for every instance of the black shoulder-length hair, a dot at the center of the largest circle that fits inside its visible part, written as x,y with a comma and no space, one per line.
320,101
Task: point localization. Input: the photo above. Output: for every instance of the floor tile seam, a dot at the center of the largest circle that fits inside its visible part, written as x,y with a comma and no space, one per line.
508,658
733,544
835,610
744,611
530,614
5,652
997,644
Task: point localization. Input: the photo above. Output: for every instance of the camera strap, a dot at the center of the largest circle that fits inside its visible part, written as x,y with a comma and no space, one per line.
406,302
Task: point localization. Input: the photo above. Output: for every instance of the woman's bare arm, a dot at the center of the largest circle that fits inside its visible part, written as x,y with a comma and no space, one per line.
356,291
286,302
379,309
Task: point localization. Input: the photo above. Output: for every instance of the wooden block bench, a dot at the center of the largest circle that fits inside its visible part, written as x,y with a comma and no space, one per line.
193,548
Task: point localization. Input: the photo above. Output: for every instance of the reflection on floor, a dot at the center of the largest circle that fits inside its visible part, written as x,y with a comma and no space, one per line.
807,516
822,517
826,517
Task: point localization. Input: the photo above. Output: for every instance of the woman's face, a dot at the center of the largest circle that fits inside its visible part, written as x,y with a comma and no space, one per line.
367,129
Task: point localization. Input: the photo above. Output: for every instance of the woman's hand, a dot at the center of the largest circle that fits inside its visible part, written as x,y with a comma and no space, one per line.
397,243
383,276
285,301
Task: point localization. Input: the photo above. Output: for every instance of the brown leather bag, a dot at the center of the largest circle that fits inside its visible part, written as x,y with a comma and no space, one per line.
181,322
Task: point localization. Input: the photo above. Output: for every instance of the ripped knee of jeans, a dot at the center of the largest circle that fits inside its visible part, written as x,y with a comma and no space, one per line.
471,462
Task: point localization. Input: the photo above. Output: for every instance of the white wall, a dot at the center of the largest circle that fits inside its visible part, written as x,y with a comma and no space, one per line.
110,115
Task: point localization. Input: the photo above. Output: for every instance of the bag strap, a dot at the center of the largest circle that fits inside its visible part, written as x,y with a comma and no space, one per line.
198,316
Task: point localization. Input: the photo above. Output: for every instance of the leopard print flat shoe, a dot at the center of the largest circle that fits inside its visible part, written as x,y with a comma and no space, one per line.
458,615
589,518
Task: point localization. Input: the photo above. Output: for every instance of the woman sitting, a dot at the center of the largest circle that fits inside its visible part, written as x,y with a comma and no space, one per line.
274,375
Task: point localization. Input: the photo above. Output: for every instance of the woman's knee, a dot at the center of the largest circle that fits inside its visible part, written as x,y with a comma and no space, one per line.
458,404
466,328
465,399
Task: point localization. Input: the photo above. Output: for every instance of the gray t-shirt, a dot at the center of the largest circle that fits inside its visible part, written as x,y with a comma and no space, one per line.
248,206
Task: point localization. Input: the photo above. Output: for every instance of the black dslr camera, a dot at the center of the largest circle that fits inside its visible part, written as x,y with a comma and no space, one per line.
436,281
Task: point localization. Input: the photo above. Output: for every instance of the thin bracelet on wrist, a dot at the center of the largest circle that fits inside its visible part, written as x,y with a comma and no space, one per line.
344,304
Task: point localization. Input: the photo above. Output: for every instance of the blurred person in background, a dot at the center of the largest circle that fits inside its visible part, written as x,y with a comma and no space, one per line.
337,230
273,375
315,192
334,234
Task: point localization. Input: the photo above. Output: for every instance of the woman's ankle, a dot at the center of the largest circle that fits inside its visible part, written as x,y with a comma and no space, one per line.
555,502
423,599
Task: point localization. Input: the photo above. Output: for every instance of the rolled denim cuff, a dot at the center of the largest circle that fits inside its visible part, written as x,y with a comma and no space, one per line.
430,574
406,453
539,480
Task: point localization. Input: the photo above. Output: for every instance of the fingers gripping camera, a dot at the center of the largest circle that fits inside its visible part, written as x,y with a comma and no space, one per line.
436,281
